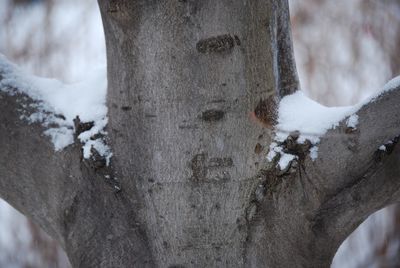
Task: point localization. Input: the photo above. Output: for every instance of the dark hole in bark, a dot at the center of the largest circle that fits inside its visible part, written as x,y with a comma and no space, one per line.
219,44
126,108
212,115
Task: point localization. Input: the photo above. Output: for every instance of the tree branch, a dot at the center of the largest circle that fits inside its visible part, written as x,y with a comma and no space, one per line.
71,198
287,78
33,177
352,177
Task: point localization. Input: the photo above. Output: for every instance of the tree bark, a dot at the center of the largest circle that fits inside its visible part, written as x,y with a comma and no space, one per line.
192,97
193,88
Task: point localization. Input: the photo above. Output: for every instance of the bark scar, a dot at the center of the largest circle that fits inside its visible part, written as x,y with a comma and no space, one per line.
220,43
265,112
212,115
213,169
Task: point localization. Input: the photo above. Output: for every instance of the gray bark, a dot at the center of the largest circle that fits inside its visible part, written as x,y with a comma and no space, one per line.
193,90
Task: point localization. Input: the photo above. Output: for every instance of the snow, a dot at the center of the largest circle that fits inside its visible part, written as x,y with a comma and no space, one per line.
60,137
297,112
395,82
285,160
383,146
313,120
314,152
58,104
352,121
100,147
274,149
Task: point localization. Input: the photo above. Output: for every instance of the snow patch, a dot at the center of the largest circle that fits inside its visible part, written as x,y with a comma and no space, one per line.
297,112
352,121
100,147
58,104
392,84
314,152
60,137
284,160
382,148
312,120
274,149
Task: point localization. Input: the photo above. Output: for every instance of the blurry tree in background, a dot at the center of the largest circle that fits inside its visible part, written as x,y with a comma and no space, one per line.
53,38
345,50
340,58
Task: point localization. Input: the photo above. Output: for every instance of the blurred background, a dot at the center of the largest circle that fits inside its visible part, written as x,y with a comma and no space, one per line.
345,50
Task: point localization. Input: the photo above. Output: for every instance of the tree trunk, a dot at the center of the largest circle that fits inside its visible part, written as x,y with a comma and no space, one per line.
193,88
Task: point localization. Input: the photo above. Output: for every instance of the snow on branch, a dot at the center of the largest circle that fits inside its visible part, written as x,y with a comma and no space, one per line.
57,105
311,121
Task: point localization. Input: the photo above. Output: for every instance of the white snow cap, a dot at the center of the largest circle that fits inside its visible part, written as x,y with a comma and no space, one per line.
58,104
382,148
297,112
352,121
311,119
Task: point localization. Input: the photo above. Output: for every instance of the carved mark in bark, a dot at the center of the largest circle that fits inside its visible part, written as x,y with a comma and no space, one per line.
212,170
189,126
265,112
220,162
212,115
126,108
217,101
219,44
198,167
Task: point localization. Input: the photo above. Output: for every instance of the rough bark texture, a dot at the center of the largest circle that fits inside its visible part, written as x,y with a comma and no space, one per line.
193,89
